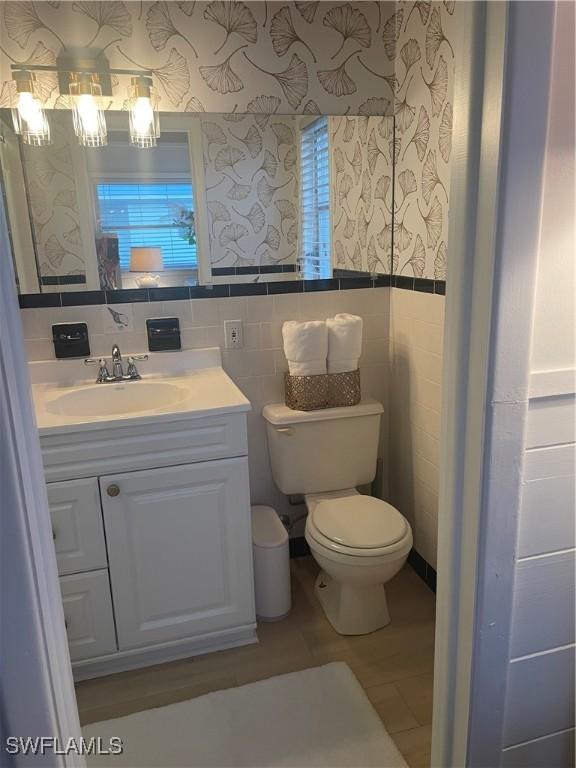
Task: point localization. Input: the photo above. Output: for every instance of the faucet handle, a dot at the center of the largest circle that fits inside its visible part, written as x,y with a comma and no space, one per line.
103,373
132,371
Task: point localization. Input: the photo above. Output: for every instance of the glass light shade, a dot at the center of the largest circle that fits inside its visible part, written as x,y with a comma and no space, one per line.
28,115
143,114
87,113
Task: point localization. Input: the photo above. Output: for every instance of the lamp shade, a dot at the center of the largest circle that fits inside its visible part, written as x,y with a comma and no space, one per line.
146,260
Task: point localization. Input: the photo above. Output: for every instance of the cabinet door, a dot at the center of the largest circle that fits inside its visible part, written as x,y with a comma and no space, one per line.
180,550
88,614
77,525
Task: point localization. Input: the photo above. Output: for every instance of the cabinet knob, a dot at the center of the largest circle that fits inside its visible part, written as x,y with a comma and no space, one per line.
113,490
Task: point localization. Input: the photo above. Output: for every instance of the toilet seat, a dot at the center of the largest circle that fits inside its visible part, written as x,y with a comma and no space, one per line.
358,526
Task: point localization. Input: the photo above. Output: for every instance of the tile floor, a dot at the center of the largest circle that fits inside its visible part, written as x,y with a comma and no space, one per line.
394,665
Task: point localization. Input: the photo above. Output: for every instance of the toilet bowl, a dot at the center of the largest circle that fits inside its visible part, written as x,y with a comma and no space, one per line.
360,543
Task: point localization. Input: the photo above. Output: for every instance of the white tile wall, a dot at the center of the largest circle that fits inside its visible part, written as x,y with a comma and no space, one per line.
544,601
547,519
416,337
257,368
539,712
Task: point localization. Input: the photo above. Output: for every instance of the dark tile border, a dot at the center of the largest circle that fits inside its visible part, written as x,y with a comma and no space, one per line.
213,292
351,273
225,290
64,280
248,289
346,283
440,287
421,284
39,300
328,284
424,285
82,298
169,294
286,286
403,281
264,269
127,296
423,569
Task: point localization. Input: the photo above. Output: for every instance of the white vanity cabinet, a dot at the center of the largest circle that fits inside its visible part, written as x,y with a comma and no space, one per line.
179,547
88,614
77,527
150,511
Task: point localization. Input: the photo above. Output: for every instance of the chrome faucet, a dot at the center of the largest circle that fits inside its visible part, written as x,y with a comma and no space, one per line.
104,376
117,370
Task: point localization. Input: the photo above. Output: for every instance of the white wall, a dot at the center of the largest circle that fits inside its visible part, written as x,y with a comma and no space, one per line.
539,715
420,250
257,369
416,340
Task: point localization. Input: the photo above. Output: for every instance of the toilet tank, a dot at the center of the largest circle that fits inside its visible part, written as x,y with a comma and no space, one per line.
324,450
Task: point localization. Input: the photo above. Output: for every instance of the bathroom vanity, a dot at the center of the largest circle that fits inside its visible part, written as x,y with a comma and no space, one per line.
149,499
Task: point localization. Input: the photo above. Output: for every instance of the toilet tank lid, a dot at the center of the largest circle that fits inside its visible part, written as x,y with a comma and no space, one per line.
279,413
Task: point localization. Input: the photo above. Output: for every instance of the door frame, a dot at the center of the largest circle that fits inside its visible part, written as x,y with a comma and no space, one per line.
474,548
36,686
501,110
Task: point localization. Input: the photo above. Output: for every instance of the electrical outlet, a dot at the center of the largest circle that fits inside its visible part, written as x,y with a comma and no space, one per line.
233,334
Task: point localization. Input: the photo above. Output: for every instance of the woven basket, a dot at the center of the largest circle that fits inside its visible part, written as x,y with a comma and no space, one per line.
326,390
343,389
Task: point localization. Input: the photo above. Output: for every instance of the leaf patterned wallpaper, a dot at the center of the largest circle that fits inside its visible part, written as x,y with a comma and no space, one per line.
218,56
362,170
251,170
364,58
51,186
423,109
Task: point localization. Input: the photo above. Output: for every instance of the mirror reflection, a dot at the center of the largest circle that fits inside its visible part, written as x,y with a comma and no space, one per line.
220,198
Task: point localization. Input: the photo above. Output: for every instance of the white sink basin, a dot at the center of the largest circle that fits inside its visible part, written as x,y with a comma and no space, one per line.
131,397
175,385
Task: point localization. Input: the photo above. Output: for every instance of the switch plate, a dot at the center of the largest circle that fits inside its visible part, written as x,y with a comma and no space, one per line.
233,334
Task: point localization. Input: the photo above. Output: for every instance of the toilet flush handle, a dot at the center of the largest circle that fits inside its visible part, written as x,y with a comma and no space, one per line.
285,430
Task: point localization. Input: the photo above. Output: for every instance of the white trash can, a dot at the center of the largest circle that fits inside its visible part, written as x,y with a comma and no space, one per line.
271,564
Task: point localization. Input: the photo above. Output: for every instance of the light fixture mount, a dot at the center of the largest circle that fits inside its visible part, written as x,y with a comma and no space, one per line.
86,77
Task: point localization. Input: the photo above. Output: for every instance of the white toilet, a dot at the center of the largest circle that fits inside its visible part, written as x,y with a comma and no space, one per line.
359,542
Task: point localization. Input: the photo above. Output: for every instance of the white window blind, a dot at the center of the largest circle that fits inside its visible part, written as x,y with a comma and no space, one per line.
315,201
144,215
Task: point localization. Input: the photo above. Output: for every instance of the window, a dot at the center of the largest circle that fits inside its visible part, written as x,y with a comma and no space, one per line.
315,201
144,215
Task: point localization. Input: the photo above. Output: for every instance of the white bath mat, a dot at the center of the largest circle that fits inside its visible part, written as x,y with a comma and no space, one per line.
317,717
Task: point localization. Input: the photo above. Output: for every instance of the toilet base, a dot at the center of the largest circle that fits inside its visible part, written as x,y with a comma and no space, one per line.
352,610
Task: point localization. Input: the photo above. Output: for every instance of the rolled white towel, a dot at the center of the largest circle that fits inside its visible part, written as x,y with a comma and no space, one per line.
305,347
344,342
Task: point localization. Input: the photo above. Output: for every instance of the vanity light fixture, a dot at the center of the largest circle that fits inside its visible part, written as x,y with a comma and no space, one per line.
28,115
87,112
143,113
86,81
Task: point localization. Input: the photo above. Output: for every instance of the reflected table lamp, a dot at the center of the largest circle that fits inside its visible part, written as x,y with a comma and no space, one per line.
146,260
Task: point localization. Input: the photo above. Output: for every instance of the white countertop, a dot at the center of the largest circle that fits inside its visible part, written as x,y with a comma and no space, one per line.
204,389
